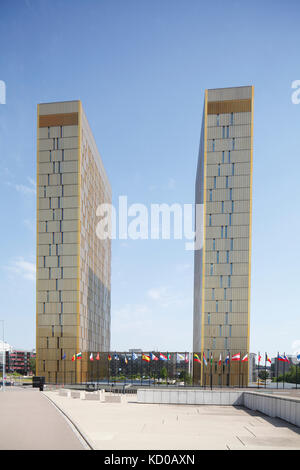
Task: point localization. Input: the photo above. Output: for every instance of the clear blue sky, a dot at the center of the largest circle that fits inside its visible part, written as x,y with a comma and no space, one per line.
140,68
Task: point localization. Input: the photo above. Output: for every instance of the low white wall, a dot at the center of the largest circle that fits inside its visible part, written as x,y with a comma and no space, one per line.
286,408
190,397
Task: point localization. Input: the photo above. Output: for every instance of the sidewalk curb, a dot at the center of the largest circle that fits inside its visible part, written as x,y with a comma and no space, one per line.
72,423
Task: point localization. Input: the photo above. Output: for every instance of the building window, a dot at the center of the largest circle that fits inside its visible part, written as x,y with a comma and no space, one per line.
226,318
233,143
225,291
214,244
210,220
229,156
218,120
221,281
217,306
225,231
211,269
210,195
208,318
213,294
232,169
232,206
230,331
219,169
220,330
230,306
226,181
231,119
229,219
229,281
222,207
231,244
223,132
223,156
214,343
48,132
221,231
52,331
213,145
231,268
215,182
218,257
227,256
227,132
225,343
230,194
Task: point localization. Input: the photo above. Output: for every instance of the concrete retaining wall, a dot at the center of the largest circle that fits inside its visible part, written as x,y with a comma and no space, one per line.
286,408
190,397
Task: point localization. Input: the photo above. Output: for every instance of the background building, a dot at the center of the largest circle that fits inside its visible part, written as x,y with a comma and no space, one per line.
73,265
19,361
222,266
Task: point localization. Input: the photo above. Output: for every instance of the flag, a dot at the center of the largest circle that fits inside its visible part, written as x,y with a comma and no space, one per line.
98,357
298,357
211,359
180,357
197,358
126,360
283,358
146,358
153,357
259,358
73,357
91,357
169,357
134,356
245,358
116,357
220,359
236,357
286,359
268,359
109,357
186,358
79,355
64,356
227,360
162,357
204,359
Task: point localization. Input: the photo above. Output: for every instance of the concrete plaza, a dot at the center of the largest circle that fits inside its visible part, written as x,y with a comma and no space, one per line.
132,425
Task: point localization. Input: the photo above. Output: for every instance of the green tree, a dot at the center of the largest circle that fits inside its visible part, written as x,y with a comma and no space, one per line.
32,365
263,374
163,373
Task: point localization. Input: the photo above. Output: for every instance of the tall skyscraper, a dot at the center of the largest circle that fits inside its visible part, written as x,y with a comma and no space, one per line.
222,265
73,265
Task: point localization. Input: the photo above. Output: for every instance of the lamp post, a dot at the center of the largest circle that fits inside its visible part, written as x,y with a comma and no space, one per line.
3,360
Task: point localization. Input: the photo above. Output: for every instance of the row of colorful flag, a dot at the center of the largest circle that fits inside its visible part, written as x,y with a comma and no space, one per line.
180,357
235,357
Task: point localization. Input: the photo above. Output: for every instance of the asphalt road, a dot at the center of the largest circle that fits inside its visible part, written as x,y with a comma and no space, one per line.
30,422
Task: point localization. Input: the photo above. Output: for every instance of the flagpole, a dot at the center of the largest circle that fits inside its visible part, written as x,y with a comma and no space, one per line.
258,369
277,369
283,369
265,370
240,371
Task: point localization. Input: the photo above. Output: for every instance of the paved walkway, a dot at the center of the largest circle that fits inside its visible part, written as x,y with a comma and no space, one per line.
29,421
131,425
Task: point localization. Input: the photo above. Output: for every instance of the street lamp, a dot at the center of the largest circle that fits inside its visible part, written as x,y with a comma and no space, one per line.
3,360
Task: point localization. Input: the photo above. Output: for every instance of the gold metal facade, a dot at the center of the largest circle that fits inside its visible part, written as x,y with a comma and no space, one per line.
222,266
73,265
